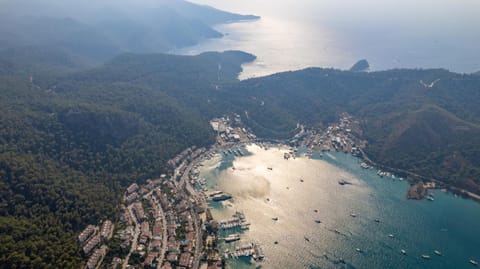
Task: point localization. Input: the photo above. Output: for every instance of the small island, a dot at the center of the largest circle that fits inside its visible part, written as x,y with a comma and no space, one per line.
360,66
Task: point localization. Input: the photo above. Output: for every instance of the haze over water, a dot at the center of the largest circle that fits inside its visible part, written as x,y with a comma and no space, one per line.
448,224
389,34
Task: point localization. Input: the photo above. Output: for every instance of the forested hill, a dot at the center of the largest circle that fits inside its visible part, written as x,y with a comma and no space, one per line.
425,121
70,145
71,139
97,31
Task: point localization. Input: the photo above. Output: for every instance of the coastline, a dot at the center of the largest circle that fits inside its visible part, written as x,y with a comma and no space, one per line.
189,198
326,222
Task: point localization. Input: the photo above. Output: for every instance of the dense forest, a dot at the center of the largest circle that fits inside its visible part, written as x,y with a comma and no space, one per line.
82,116
72,138
425,121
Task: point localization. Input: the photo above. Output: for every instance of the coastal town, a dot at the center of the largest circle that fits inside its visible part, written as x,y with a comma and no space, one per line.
167,223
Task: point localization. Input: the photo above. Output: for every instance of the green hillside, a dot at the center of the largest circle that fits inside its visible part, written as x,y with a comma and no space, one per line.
72,138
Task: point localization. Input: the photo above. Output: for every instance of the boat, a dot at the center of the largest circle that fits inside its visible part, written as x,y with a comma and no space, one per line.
344,182
430,198
426,257
391,235
437,252
358,250
376,220
364,165
353,215
221,197
258,253
215,193
475,263
232,238
403,252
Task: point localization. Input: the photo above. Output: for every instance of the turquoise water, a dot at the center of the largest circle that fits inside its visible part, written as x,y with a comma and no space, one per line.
449,224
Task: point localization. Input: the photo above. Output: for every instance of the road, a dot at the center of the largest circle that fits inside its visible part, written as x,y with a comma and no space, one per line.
135,236
164,235
185,185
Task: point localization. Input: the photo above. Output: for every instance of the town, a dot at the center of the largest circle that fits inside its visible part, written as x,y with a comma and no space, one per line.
167,223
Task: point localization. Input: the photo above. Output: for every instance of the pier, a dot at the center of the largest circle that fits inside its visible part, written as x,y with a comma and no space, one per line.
238,220
250,250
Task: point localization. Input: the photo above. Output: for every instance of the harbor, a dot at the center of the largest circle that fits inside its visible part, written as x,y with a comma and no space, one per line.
340,202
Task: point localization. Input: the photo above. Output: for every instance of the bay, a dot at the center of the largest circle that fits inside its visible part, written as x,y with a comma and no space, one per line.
265,186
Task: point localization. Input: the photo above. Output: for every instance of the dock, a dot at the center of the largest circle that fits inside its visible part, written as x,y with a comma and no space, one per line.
238,220
249,250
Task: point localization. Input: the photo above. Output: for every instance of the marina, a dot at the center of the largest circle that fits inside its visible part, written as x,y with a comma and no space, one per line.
238,220
349,216
251,250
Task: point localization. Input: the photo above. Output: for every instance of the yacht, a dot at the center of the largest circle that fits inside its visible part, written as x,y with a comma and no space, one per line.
391,236
437,252
403,252
426,257
232,238
475,263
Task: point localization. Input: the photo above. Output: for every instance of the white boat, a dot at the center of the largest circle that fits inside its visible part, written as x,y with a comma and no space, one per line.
358,250
475,263
391,235
437,252
353,215
403,252
426,257
232,238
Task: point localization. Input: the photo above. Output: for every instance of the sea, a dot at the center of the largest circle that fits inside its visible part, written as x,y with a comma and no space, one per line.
363,224
295,34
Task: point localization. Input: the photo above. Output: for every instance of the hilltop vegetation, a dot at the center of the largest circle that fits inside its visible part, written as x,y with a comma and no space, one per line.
72,137
71,142
96,32
432,131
